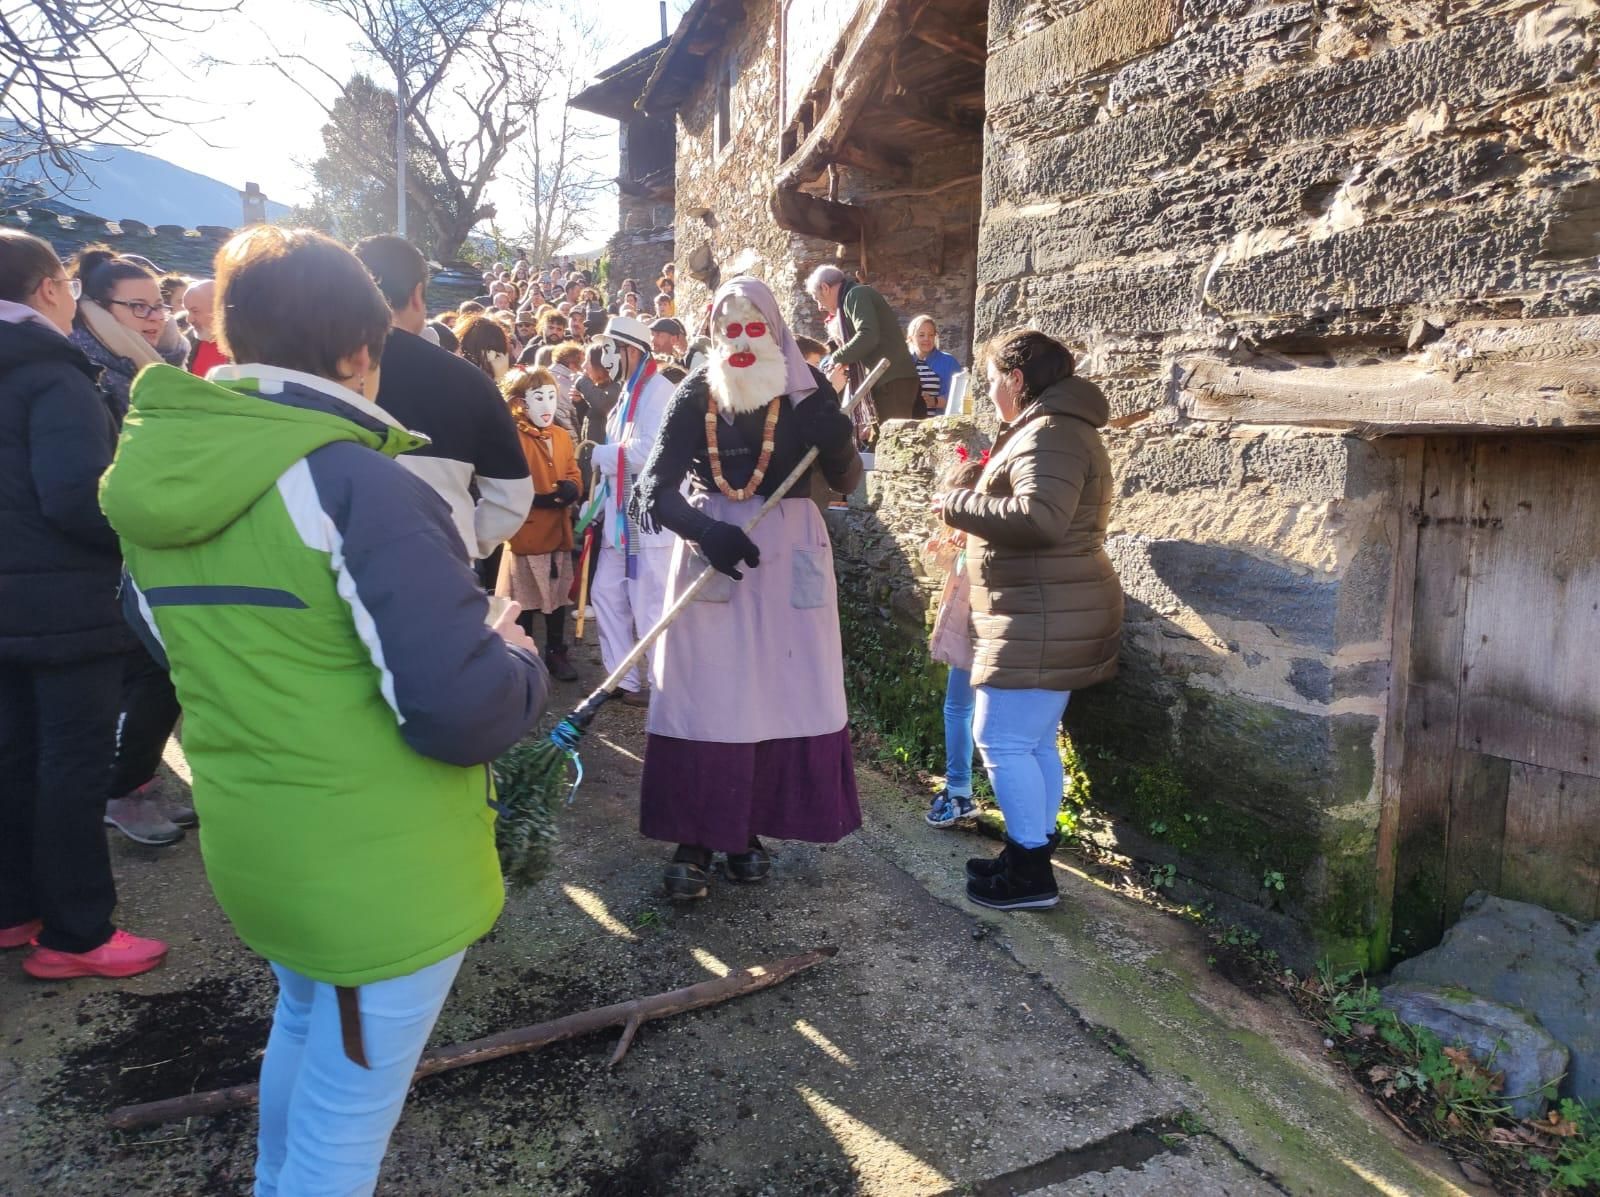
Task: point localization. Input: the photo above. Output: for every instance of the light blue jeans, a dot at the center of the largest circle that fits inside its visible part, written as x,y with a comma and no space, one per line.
1016,734
958,700
325,1122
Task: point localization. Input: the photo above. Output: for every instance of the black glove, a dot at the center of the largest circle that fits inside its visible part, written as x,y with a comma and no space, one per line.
825,424
553,499
566,492
726,546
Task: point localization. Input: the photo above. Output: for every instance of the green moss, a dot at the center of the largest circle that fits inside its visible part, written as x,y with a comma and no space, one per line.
895,690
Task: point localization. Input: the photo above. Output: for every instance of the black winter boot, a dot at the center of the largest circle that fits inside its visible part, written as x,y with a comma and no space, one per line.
982,867
1025,881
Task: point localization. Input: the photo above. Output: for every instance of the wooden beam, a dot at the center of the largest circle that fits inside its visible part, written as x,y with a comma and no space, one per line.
943,32
1519,374
934,114
1402,594
816,217
858,78
867,158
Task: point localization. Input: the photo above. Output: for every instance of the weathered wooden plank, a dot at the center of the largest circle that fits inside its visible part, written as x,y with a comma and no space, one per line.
943,32
858,78
934,113
859,154
1402,599
1552,852
1526,374
1432,693
1477,828
814,216
1529,690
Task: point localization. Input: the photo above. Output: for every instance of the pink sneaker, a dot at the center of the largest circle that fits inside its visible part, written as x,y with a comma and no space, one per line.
123,955
21,935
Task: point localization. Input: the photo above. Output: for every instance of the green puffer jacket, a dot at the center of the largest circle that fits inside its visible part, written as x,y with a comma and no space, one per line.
340,689
1046,603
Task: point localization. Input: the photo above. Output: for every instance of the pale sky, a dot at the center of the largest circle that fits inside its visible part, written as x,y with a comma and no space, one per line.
245,123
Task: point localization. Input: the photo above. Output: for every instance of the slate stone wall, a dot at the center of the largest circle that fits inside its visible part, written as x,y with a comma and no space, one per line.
642,244
1304,179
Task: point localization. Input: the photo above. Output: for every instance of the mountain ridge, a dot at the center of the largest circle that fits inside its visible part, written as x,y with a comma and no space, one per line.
127,184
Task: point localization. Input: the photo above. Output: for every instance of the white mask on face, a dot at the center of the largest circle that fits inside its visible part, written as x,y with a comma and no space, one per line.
612,360
541,403
747,369
498,362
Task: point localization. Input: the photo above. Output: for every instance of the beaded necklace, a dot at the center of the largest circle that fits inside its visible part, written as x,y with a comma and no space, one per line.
767,444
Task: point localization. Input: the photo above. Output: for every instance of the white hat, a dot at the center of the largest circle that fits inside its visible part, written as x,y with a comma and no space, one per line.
630,332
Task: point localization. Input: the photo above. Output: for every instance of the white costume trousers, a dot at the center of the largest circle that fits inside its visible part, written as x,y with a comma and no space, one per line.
626,608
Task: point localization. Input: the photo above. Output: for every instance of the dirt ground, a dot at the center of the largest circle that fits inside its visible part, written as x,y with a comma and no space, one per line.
927,1057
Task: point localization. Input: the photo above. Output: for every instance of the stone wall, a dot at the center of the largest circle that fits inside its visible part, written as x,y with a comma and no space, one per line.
1309,181
642,244
921,242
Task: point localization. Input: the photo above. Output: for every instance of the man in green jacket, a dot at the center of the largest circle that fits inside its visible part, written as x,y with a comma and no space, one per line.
870,331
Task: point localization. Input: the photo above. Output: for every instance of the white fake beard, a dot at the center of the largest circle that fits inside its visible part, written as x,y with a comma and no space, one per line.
751,387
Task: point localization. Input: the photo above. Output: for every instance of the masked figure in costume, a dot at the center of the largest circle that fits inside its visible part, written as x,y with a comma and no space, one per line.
536,569
748,728
631,577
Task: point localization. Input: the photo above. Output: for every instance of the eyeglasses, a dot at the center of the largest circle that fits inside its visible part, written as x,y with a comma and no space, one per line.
74,286
140,308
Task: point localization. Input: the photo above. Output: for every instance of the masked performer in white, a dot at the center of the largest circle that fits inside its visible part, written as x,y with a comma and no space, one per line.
631,578
748,729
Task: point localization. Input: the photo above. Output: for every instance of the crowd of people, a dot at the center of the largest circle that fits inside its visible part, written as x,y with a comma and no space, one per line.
321,524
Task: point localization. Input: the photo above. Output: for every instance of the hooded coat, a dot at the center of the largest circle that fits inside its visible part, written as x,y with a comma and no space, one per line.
59,564
1046,602
328,641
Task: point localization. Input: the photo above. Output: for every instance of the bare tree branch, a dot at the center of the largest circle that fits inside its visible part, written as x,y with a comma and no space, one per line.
76,73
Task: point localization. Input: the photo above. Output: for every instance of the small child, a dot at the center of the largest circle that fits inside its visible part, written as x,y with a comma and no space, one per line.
536,573
951,643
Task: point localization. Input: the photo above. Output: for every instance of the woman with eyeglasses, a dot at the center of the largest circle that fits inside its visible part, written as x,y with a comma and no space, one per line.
120,322
62,634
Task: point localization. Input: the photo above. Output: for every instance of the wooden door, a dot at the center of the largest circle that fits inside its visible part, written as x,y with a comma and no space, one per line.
1496,714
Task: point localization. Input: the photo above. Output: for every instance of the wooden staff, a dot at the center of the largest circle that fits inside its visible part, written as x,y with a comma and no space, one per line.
629,1015
583,582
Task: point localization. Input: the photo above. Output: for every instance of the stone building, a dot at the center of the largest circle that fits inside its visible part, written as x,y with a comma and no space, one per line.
794,150
646,180
1335,262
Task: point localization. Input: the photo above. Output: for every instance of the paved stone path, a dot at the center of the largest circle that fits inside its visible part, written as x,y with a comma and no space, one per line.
933,1055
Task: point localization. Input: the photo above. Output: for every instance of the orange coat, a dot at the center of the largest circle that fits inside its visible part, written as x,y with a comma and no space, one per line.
551,458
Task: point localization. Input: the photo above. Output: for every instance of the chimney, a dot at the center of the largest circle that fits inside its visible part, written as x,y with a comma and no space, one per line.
255,205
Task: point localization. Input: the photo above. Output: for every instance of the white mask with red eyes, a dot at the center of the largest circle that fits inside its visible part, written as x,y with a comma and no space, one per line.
747,369
541,403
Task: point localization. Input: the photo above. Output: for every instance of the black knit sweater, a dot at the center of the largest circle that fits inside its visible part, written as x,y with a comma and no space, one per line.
680,452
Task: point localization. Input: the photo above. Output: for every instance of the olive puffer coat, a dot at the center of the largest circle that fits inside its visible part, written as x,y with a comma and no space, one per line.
1046,603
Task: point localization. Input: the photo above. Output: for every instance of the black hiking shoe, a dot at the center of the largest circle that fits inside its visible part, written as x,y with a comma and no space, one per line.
1025,880
687,876
751,866
980,868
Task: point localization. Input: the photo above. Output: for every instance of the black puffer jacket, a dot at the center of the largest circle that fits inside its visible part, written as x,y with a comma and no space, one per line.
59,561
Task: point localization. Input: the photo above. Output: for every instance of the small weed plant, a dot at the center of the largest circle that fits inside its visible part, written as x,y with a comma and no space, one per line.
1443,1094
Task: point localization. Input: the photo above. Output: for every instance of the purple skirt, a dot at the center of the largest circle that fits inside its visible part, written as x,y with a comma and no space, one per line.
719,795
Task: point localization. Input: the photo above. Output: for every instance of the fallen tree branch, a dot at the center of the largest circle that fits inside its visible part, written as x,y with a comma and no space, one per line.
629,1015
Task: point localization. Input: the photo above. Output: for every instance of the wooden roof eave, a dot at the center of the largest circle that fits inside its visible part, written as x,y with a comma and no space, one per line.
858,77
616,91
700,33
